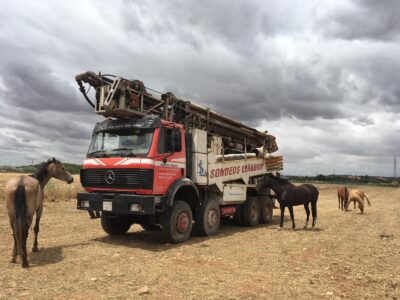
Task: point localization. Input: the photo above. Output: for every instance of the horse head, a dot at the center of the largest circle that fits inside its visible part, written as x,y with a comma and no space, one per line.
271,179
56,169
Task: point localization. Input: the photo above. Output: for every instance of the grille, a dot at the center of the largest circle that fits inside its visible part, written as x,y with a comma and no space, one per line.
124,178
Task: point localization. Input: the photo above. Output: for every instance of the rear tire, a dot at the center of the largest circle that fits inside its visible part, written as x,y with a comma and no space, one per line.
115,225
208,218
251,212
266,209
177,223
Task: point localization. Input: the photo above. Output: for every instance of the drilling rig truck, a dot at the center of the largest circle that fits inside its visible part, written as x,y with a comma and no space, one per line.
171,165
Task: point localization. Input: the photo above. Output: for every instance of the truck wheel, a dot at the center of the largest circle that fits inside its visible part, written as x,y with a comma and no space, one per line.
251,212
208,218
115,225
177,223
266,210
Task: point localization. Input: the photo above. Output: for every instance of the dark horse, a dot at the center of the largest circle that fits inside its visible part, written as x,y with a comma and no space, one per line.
290,195
24,197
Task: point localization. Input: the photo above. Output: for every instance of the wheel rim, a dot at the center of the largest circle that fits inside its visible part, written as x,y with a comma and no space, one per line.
212,218
182,222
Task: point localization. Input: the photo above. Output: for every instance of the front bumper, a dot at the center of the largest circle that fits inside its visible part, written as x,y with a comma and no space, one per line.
117,203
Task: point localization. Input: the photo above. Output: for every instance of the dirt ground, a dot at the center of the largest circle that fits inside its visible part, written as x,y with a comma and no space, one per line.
348,256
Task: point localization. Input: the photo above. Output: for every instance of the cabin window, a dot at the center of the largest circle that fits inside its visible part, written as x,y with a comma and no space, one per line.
169,140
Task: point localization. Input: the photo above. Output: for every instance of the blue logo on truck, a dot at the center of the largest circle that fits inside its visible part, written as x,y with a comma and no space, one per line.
200,168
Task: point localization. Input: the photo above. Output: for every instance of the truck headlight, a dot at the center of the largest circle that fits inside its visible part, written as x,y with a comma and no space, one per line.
85,203
135,207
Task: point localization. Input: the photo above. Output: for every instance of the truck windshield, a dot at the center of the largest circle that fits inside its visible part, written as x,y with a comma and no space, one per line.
121,143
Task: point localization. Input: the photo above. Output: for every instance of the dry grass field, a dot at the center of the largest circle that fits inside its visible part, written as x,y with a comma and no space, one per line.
349,256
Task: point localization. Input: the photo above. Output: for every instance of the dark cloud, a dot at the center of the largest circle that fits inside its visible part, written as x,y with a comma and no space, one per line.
322,77
36,88
364,19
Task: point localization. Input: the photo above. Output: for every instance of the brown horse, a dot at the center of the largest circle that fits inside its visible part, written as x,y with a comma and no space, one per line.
24,196
343,197
290,195
358,196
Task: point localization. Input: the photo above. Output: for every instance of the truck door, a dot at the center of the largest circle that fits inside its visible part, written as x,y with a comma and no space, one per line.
171,158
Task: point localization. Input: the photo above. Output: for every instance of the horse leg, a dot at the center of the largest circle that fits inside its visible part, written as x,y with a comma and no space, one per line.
307,208
346,207
282,214
36,229
292,216
15,251
14,254
314,212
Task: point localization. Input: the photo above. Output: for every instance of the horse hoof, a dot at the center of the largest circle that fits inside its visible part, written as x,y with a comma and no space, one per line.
305,227
279,228
13,260
35,249
25,264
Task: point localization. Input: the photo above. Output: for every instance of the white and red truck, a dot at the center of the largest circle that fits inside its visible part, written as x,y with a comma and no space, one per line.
168,164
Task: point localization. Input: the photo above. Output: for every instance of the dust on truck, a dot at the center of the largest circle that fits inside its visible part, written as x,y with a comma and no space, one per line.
171,165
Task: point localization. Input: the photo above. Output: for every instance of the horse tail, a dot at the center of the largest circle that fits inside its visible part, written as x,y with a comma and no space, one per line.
366,197
20,220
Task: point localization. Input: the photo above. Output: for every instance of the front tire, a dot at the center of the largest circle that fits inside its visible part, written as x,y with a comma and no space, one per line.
177,223
251,212
115,225
208,218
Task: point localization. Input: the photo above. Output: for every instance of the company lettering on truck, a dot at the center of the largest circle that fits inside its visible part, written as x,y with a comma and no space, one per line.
220,172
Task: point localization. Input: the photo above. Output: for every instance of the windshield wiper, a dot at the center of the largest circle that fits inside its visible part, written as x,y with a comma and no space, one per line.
130,151
98,153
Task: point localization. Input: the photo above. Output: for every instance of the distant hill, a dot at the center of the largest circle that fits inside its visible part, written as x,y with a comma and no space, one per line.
72,168
345,179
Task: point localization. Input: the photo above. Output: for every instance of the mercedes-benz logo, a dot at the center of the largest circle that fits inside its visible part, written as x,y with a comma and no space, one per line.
110,177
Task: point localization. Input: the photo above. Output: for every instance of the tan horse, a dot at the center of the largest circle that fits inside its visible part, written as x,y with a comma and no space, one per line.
358,196
343,196
24,196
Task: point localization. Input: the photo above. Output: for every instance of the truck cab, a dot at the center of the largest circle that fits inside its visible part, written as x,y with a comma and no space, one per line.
129,169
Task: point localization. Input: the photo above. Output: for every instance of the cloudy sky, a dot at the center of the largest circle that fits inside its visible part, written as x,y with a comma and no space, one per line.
323,76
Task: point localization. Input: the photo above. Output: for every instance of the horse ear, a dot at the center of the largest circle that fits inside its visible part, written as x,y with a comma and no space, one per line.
54,159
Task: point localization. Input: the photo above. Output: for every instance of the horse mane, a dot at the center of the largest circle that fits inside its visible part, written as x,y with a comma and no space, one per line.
283,180
42,172
280,179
